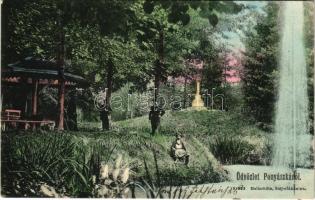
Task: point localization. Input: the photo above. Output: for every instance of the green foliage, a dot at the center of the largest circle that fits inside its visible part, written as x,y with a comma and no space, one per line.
241,150
178,9
127,104
212,73
67,161
54,161
183,175
59,160
233,98
206,48
21,17
230,150
125,34
260,68
112,17
165,23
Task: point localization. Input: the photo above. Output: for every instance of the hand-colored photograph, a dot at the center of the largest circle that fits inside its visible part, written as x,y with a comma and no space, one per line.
157,99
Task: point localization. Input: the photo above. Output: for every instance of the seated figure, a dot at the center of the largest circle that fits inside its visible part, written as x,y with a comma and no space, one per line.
178,150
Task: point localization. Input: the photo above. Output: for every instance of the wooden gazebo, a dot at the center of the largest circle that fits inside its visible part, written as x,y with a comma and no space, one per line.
35,72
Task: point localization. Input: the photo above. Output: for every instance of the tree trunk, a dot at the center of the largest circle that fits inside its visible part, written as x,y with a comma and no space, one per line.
158,73
72,112
61,106
185,92
105,114
109,82
159,66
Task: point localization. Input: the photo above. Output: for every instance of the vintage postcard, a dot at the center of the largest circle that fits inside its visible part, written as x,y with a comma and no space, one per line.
157,99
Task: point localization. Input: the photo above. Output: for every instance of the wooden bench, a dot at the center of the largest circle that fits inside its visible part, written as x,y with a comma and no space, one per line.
13,118
27,124
10,114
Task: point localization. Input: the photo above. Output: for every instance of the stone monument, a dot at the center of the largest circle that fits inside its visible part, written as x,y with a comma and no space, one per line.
197,103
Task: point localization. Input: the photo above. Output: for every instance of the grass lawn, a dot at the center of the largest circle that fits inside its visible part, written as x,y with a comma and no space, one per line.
68,160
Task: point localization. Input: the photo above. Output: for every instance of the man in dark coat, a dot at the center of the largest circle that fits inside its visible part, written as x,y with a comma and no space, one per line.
104,116
154,116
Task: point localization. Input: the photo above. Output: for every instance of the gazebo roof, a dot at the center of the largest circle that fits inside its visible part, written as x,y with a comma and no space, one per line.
47,72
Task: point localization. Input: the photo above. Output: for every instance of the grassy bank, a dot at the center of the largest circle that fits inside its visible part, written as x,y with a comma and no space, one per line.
67,161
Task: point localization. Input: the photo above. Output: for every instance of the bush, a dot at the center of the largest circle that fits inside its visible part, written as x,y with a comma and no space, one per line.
189,175
49,158
230,149
128,106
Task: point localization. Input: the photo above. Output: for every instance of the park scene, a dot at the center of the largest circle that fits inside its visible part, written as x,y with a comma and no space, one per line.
157,99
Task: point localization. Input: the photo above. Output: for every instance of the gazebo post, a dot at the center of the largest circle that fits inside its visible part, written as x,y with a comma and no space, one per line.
34,100
1,103
61,105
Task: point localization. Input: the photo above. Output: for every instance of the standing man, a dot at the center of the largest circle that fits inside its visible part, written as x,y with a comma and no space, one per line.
154,116
104,116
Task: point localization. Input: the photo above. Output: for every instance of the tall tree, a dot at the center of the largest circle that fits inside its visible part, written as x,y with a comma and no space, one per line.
168,14
260,65
162,19
108,61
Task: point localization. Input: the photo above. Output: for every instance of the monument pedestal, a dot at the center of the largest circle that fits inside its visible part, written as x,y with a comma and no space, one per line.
197,103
